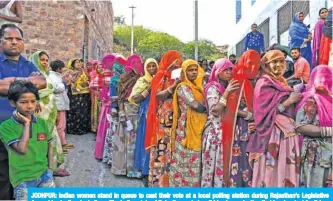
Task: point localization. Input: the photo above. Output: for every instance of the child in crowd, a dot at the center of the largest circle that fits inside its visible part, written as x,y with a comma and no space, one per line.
60,84
27,140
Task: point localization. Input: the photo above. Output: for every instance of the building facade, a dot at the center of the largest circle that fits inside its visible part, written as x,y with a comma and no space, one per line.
68,29
273,19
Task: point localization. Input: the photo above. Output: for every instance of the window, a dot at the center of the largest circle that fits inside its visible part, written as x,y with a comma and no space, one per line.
253,2
238,10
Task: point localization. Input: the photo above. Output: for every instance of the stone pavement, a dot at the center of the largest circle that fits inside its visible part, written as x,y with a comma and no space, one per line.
86,171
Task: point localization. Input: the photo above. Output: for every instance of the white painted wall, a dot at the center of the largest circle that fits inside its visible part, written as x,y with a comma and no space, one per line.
268,9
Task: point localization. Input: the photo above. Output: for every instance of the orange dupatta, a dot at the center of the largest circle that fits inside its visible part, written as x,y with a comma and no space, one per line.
245,70
168,59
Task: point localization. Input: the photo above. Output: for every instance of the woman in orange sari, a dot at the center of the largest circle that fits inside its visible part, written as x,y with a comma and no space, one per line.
159,116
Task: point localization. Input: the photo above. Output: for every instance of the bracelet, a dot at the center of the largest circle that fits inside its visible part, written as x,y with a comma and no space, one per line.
169,90
145,93
326,132
223,101
281,108
322,132
329,132
249,116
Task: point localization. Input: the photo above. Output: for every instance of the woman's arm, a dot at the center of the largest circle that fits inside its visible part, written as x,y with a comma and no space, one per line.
167,93
309,130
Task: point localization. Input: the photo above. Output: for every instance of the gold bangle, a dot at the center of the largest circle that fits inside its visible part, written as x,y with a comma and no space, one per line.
169,90
223,102
249,116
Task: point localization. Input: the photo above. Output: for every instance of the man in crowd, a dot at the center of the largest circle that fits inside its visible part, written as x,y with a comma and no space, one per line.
301,66
232,58
211,64
13,66
254,40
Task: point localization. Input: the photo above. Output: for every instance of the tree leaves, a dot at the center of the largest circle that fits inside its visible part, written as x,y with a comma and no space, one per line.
153,44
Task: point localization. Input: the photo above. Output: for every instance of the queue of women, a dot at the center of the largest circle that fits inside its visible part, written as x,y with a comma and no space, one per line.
245,128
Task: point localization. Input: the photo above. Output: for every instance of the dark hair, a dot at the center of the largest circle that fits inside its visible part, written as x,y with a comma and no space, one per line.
284,52
73,62
295,48
19,87
12,26
322,9
81,60
232,55
254,24
211,62
57,64
44,53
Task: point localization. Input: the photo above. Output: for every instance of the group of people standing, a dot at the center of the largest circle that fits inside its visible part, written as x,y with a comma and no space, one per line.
316,48
245,127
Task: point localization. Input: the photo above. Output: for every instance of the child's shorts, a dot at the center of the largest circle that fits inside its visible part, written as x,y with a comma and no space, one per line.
46,180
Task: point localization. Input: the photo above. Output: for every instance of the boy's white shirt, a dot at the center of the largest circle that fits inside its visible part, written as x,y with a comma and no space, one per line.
60,91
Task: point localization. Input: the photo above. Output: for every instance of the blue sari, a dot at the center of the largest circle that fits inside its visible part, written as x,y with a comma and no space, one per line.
141,162
297,33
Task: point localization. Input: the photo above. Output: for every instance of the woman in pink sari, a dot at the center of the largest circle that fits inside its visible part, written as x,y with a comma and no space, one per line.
318,31
314,122
274,148
103,125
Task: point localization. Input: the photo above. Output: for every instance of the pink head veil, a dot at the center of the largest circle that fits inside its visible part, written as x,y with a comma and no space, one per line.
321,76
134,62
219,66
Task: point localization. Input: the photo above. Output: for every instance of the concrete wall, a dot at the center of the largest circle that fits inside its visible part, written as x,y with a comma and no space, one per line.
64,28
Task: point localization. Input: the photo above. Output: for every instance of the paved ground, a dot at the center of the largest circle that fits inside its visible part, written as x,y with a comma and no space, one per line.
86,171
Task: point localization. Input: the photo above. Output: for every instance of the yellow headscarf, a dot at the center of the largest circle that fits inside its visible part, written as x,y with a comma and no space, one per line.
195,121
79,77
143,82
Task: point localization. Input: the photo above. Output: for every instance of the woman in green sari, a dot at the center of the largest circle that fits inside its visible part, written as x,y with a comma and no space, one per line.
48,110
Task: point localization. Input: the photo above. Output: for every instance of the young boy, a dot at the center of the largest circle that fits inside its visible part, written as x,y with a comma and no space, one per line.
27,140
60,84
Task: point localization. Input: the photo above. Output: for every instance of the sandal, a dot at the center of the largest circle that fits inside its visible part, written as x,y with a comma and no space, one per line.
68,146
61,173
65,151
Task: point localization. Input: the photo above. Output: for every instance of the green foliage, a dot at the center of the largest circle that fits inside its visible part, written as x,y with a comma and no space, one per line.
150,43
120,20
157,43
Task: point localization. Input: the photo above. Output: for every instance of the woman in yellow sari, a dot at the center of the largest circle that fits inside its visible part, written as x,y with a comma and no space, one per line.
190,117
78,117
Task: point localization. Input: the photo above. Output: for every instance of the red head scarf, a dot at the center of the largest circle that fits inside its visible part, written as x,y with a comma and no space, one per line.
168,59
246,69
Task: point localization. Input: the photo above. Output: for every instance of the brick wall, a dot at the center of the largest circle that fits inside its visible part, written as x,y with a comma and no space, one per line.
68,29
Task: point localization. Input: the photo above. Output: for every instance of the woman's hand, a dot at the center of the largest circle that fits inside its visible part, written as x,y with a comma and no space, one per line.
295,97
252,127
232,86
